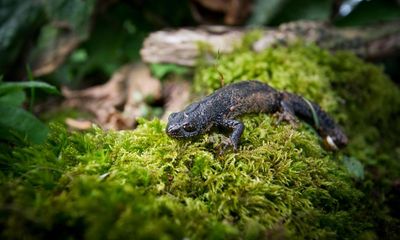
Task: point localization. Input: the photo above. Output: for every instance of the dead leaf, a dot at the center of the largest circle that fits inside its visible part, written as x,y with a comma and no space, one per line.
117,103
78,124
141,86
49,60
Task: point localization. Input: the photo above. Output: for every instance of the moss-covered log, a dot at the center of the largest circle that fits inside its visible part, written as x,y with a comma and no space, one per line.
180,46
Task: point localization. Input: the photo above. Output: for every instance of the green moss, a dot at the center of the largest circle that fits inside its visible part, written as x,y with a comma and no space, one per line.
142,183
281,184
359,96
294,69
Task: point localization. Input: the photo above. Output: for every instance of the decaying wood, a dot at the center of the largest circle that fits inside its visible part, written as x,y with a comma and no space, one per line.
182,46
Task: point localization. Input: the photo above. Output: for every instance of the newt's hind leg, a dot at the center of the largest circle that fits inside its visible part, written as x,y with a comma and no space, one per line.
286,114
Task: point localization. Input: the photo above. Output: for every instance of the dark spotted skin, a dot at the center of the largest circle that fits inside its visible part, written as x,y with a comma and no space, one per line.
220,110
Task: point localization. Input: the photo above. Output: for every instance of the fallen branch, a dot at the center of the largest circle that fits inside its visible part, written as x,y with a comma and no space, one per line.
182,46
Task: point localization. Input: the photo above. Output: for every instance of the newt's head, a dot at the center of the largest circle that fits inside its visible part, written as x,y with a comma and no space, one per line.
334,138
187,123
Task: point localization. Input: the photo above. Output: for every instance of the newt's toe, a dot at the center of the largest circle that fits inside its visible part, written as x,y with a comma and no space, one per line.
287,117
225,144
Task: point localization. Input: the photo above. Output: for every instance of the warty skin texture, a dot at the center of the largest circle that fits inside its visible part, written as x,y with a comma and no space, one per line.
220,109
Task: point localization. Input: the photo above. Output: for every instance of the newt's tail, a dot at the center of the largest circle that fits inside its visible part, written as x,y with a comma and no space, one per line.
332,134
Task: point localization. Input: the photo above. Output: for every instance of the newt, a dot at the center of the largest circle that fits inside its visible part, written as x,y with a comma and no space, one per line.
220,110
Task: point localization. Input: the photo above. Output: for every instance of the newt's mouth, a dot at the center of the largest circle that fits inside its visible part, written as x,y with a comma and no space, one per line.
173,131
179,132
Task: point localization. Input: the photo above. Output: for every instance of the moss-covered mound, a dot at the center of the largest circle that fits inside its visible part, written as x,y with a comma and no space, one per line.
142,184
356,93
360,97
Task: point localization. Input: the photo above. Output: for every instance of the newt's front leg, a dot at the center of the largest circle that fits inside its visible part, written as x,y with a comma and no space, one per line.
237,129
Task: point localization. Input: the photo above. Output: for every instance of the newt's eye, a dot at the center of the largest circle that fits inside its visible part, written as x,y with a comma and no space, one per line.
189,128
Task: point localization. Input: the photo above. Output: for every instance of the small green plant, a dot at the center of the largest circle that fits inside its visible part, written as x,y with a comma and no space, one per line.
16,123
